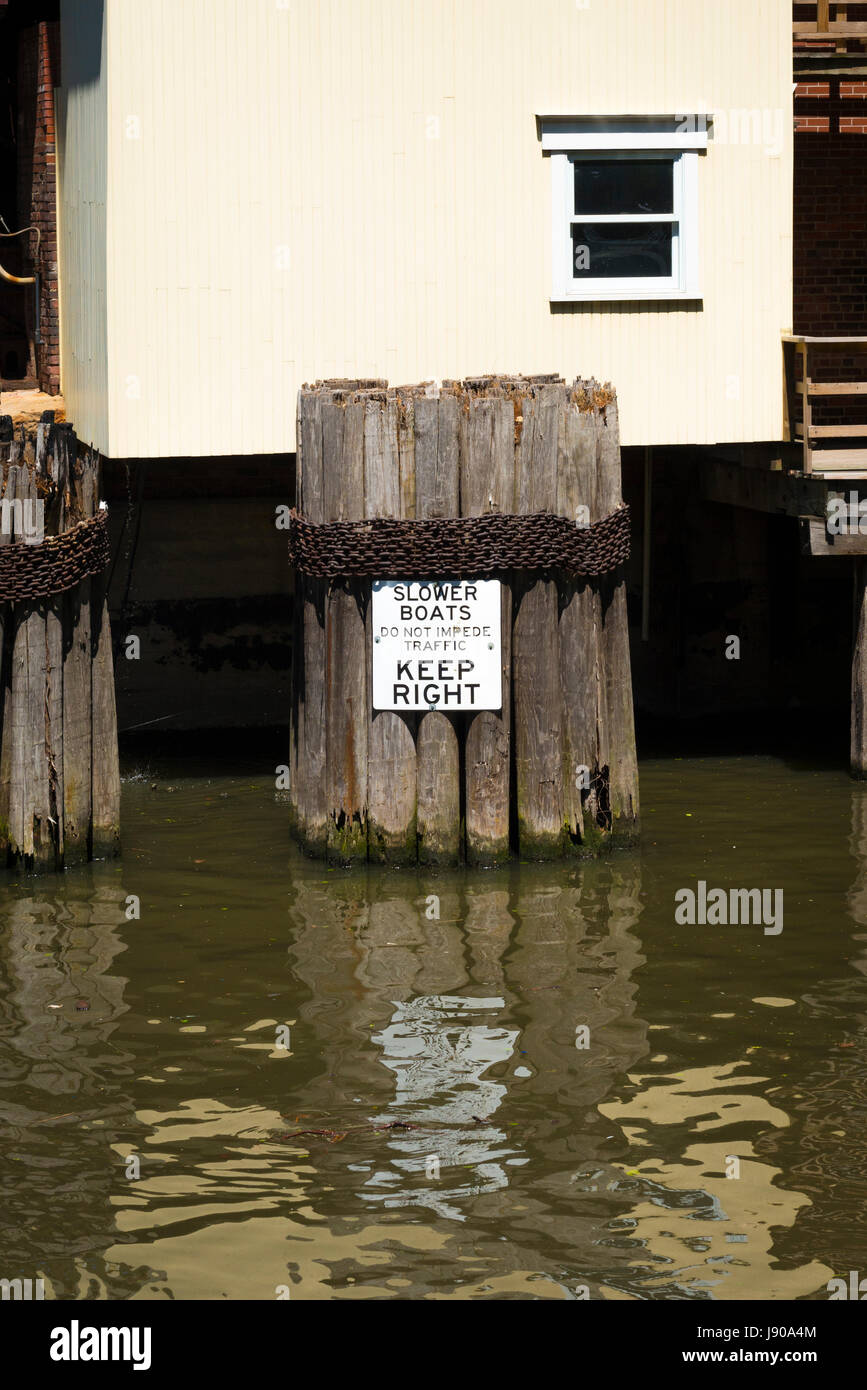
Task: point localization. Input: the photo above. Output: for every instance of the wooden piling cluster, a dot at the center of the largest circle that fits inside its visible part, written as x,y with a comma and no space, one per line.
59,774
552,773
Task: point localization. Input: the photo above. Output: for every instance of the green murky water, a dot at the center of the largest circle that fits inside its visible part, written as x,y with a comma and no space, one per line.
528,1166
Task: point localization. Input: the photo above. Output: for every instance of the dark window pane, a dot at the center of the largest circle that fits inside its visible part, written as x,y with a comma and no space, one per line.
610,186
609,251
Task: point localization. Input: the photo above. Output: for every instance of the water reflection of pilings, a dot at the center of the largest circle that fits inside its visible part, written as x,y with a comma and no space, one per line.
828,1110
55,961
494,1016
61,997
857,895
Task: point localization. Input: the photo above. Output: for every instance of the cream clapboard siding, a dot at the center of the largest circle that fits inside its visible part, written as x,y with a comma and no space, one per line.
356,187
82,135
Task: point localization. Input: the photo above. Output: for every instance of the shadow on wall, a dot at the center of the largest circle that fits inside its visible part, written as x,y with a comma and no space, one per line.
83,35
200,591
721,572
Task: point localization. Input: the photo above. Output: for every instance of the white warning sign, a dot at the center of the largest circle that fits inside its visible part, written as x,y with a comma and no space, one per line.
436,644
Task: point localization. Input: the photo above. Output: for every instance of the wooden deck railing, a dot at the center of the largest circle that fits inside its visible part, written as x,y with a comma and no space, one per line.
803,358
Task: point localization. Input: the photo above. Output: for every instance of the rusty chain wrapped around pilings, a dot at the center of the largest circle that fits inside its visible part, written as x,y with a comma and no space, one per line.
40,569
471,546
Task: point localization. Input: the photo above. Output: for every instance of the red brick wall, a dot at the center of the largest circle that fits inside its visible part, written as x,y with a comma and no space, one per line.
830,224
38,75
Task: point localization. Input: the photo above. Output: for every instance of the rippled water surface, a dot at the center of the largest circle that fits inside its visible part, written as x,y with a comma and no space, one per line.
463,1145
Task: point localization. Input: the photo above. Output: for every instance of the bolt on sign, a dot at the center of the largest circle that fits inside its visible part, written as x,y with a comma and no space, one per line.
436,644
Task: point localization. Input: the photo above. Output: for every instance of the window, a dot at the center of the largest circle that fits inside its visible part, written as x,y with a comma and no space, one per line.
625,208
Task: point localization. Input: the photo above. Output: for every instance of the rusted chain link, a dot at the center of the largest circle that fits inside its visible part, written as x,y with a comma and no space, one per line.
56,563
467,545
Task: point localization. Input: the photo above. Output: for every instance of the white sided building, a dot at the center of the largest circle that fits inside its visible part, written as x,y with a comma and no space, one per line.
259,193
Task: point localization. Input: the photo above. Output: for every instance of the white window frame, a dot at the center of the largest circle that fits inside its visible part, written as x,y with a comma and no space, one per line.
629,138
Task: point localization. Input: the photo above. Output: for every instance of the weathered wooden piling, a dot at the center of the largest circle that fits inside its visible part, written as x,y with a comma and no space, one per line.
552,770
537,699
435,426
59,776
487,447
391,762
346,654
307,765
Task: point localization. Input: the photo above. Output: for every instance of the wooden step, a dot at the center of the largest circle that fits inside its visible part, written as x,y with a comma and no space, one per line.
838,431
833,388
823,460
855,29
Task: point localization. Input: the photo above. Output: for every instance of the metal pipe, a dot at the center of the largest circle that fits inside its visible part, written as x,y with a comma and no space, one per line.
17,279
